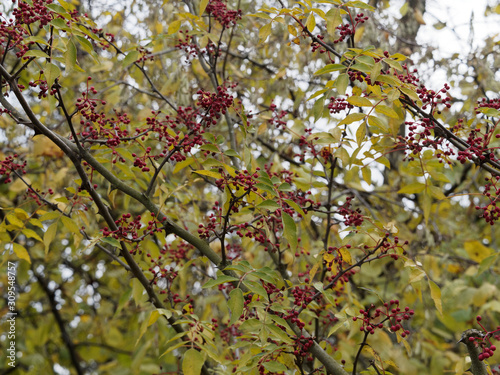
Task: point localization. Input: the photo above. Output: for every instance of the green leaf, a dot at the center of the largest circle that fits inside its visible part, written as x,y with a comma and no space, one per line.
70,224
59,23
256,288
251,325
318,109
333,19
36,53
341,83
235,304
111,241
290,230
394,64
131,58
274,367
330,68
221,279
14,220
296,207
280,334
85,44
70,57
266,188
413,188
375,72
487,262
192,363
264,32
268,205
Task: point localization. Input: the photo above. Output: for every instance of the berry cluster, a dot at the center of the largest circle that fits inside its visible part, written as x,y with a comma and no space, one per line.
218,10
186,44
346,30
277,117
214,104
487,103
491,213
484,341
338,105
373,318
9,165
352,217
144,55
302,345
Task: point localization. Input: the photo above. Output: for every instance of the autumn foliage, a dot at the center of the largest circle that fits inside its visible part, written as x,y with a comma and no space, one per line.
218,187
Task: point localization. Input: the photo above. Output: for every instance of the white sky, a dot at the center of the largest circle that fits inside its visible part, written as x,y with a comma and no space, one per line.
456,14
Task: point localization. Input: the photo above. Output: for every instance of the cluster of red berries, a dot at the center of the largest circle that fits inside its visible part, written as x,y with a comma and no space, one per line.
373,318
179,133
338,105
226,17
302,345
352,217
315,45
491,213
487,103
484,342
186,44
27,14
346,30
214,104
128,230
144,55
9,165
277,117
42,87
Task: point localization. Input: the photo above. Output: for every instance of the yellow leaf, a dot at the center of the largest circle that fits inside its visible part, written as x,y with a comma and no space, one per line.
476,250
436,296
359,101
42,146
70,224
209,173
49,235
192,362
264,32
174,27
346,255
359,34
419,17
203,6
21,252
311,22
413,188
